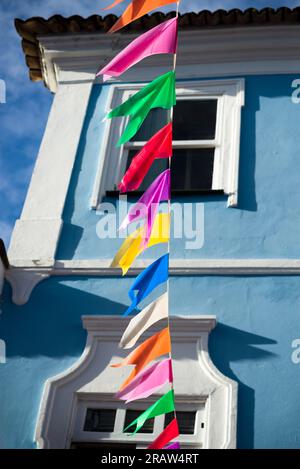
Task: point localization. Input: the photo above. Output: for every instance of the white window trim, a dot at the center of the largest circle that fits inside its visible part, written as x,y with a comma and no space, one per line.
141,440
92,378
230,94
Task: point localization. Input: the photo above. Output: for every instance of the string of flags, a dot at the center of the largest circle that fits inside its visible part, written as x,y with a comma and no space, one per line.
151,359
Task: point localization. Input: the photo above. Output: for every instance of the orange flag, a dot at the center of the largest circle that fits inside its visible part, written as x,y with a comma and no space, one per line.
152,348
136,9
116,2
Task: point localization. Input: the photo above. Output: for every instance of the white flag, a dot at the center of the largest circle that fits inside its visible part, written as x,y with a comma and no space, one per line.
156,311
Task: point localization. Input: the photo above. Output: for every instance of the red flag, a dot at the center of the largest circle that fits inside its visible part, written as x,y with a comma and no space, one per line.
159,146
168,434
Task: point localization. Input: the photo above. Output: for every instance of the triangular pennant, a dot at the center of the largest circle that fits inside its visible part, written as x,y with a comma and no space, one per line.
162,39
155,274
147,382
153,313
132,246
157,345
158,93
136,9
163,406
167,435
159,146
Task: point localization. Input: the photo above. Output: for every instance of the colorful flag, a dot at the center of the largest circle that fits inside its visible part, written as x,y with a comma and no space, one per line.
115,3
136,9
132,246
148,381
148,204
161,39
159,146
164,405
152,348
153,313
168,434
175,445
155,274
158,93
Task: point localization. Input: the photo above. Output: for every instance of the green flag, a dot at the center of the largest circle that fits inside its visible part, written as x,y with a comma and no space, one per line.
159,93
164,405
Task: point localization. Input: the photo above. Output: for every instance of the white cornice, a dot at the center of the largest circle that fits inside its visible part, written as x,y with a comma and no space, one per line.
107,326
23,278
202,53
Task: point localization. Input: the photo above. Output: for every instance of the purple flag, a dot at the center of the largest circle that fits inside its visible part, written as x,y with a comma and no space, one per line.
147,205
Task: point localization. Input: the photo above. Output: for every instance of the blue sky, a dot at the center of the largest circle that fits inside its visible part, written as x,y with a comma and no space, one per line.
24,115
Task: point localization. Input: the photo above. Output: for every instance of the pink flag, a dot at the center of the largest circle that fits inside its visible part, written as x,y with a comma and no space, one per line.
147,381
147,205
161,39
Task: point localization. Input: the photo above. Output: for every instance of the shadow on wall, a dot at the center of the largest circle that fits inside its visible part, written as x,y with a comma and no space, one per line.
50,323
71,231
255,88
226,345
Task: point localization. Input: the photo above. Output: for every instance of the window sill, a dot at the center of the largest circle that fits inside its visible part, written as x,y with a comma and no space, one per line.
200,192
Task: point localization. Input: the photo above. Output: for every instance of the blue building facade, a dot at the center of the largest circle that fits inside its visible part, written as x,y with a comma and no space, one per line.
244,274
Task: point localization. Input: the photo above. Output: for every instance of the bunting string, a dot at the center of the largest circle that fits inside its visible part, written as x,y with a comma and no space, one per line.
147,376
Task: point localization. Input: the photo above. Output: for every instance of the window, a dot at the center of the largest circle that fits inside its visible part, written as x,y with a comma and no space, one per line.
206,131
101,423
79,408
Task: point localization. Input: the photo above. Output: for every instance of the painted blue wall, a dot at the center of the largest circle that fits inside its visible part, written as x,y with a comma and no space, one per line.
258,318
266,222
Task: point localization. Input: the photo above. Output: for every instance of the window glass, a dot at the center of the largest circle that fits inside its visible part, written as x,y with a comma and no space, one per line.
100,420
195,119
132,415
186,422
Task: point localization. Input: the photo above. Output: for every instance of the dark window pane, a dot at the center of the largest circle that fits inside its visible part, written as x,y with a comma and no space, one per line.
155,120
132,415
159,165
186,422
192,169
195,119
100,420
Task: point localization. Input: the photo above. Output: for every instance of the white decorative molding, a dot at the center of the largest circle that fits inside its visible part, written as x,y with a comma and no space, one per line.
36,234
23,278
202,53
23,282
230,95
92,379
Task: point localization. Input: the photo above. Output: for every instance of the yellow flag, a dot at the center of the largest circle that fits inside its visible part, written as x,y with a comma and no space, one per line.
132,246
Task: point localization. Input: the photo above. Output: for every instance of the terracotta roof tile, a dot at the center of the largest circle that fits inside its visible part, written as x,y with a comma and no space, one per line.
30,29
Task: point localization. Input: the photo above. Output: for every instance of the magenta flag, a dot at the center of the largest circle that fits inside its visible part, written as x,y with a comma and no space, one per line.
147,381
175,445
147,205
161,39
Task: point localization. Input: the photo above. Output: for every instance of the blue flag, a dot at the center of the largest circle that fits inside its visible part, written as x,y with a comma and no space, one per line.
146,281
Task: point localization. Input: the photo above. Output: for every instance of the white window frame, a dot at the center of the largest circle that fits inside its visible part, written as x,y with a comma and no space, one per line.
91,380
141,440
230,96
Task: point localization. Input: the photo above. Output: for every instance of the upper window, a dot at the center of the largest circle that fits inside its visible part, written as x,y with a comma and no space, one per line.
206,133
